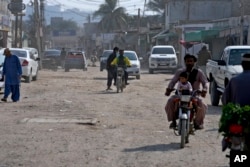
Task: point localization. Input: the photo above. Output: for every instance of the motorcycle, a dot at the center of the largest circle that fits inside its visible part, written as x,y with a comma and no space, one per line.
187,102
93,60
234,124
120,80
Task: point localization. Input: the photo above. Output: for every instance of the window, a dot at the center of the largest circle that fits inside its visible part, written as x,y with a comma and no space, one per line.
19,53
235,56
130,55
163,51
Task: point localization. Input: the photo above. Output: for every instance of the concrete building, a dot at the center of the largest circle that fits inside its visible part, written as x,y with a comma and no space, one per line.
5,24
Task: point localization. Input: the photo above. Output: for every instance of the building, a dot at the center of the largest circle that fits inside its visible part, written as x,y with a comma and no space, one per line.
5,24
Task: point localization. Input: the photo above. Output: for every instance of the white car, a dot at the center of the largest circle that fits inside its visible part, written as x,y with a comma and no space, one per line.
28,61
135,69
162,57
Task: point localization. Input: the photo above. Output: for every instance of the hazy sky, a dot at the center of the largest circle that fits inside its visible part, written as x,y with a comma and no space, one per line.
92,5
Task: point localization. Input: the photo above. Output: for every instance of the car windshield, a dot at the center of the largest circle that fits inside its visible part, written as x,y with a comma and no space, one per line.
75,54
235,56
106,53
19,53
130,55
163,51
52,52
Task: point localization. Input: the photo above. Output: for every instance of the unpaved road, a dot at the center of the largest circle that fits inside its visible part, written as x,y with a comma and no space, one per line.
131,130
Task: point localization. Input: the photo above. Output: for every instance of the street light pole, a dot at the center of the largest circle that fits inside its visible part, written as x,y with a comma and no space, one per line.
241,21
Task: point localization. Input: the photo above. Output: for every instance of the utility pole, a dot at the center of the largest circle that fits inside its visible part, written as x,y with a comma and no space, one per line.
241,5
138,28
38,35
42,23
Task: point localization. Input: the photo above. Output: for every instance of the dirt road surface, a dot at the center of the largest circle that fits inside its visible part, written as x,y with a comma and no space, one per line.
46,127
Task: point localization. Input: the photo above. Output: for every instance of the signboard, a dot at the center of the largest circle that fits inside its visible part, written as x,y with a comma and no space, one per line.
16,7
57,33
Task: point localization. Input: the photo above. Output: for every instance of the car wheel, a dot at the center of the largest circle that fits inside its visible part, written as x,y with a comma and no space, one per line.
138,76
151,71
66,69
28,78
35,77
215,94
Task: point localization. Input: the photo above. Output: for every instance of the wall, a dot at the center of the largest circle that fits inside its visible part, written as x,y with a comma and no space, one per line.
197,10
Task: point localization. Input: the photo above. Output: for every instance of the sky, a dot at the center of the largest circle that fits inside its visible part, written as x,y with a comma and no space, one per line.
131,6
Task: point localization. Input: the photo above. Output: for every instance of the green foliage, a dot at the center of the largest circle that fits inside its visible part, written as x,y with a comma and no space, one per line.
234,114
112,17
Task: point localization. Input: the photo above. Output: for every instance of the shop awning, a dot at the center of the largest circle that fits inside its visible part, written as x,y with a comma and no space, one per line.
202,35
164,34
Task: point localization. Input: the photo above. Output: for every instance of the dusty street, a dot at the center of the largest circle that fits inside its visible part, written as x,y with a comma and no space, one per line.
131,128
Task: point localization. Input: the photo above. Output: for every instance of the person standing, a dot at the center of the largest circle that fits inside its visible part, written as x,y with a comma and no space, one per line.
111,69
12,73
62,56
237,90
203,55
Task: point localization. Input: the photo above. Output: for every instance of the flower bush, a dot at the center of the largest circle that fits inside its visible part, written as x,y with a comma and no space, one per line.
234,114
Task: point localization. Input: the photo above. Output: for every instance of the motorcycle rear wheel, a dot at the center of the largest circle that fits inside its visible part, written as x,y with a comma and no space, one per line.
183,132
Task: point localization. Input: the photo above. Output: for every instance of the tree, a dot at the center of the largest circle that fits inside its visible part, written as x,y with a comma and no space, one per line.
157,6
112,17
30,30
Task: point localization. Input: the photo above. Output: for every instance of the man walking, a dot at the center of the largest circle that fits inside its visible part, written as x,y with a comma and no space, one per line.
111,69
12,73
203,55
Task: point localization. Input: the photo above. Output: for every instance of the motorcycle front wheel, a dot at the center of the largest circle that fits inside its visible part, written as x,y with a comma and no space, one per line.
118,84
183,132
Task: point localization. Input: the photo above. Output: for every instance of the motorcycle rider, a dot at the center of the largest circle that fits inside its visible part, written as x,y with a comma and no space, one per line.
195,77
123,61
111,69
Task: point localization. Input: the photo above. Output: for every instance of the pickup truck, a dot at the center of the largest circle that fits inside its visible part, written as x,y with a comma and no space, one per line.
219,72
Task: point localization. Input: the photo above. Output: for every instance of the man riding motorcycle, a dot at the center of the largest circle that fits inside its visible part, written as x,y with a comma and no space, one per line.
195,77
123,61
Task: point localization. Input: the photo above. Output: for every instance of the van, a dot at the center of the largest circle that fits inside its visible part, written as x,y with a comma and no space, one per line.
162,57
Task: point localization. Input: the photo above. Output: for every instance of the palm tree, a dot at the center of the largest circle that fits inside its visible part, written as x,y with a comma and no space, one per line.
157,6
112,17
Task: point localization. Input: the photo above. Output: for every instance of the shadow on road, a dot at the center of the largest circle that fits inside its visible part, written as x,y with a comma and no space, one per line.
214,110
100,78
157,147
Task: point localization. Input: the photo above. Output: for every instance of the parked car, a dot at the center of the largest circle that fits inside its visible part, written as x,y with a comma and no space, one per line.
28,61
51,57
162,57
75,60
219,72
2,57
104,58
135,69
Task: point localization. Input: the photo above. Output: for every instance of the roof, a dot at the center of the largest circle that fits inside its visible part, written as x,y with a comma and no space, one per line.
163,34
238,47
